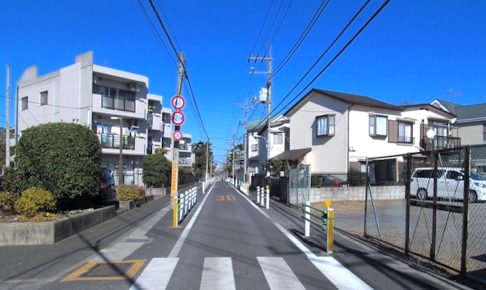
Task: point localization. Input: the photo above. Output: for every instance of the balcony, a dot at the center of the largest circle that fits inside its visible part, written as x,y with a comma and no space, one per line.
185,162
112,141
154,122
443,142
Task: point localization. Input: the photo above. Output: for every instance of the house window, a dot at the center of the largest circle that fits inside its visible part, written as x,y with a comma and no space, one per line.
278,138
378,125
325,125
43,98
254,147
25,103
405,132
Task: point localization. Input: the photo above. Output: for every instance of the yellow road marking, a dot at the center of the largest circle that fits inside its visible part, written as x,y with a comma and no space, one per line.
130,273
227,197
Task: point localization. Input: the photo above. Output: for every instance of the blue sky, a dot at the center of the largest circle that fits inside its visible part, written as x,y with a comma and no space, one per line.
413,52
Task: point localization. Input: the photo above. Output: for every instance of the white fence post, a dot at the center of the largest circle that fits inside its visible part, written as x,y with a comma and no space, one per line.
258,194
268,198
262,196
307,218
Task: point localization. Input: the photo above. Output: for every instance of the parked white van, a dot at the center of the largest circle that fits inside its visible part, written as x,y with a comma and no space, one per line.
450,184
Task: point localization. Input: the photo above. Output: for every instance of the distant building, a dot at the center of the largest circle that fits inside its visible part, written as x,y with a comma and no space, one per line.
100,98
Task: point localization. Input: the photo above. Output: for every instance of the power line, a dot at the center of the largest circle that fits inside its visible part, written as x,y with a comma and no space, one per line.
262,27
186,73
377,12
302,36
325,52
270,29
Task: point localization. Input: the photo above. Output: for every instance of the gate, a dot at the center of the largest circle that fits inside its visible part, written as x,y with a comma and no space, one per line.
299,185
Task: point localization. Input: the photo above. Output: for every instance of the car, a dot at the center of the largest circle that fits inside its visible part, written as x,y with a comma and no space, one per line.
450,184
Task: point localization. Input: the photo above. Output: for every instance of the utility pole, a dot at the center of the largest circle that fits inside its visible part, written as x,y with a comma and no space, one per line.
175,157
268,101
233,161
207,160
245,109
7,127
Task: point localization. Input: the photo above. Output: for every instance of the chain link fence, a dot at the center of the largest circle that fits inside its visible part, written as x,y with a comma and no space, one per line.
439,214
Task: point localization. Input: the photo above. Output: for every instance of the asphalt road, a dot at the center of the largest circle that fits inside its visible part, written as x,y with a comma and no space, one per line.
226,242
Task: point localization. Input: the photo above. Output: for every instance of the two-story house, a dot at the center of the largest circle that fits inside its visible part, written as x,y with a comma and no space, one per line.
263,146
335,132
108,101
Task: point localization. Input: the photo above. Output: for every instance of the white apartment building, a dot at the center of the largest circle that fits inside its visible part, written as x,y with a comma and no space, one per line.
102,99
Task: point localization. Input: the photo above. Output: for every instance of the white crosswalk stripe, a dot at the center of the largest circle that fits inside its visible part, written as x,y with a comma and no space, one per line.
156,275
278,274
218,274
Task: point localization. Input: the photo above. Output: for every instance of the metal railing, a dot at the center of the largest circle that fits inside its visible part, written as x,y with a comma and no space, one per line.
113,141
186,201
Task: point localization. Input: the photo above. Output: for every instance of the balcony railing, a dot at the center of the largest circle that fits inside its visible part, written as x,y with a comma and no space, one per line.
113,141
443,142
185,162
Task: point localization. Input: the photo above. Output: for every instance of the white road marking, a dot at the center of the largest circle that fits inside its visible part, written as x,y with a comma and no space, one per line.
218,274
156,275
177,247
278,274
339,275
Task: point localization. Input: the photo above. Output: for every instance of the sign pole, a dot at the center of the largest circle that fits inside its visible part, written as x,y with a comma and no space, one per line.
175,158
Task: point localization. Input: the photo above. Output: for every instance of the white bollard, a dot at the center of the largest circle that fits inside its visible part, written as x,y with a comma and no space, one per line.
258,194
307,219
262,197
268,198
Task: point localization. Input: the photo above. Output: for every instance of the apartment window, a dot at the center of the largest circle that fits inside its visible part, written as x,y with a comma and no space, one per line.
254,147
325,125
25,103
484,131
378,125
43,98
278,138
117,99
405,132
166,118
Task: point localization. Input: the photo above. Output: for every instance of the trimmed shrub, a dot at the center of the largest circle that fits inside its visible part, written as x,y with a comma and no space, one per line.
34,200
127,192
156,170
13,182
62,158
7,199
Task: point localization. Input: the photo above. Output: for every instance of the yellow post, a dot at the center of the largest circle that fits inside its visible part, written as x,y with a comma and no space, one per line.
173,194
330,230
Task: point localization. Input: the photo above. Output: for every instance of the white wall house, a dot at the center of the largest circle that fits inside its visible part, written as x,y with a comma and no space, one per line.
99,98
263,146
334,132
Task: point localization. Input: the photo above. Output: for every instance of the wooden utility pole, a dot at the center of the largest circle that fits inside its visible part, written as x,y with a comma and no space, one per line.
7,126
175,155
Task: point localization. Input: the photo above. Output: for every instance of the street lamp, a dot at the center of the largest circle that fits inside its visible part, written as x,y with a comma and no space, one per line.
120,155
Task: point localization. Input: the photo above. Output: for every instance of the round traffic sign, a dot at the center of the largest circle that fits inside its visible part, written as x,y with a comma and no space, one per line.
178,102
178,118
177,135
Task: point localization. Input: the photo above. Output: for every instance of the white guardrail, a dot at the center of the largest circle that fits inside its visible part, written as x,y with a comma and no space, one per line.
206,184
263,196
186,200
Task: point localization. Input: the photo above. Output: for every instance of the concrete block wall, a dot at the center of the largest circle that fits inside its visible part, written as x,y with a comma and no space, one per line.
356,193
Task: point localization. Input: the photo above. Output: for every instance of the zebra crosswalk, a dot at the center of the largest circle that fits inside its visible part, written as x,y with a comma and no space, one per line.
217,273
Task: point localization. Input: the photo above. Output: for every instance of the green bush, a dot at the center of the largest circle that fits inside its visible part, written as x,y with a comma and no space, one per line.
156,170
127,192
316,181
356,178
62,158
13,182
34,200
7,199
